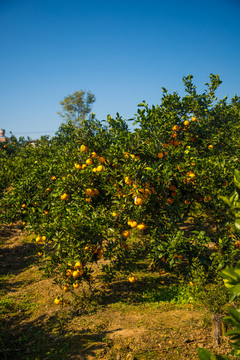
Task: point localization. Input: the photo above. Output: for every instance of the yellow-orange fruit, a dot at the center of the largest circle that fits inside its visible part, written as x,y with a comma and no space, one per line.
138,201
64,197
99,168
141,226
126,233
84,148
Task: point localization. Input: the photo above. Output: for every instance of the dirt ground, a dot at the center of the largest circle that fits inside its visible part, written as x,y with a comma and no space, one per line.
32,327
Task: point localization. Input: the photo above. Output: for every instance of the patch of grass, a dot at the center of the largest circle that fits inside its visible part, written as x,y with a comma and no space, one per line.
11,305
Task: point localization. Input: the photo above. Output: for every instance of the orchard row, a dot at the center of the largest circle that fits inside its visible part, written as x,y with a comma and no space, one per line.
104,193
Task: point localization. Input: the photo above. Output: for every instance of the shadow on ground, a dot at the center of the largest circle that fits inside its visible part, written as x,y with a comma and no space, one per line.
15,256
46,338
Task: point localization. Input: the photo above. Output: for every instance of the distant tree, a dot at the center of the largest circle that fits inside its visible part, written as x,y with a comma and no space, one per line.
77,106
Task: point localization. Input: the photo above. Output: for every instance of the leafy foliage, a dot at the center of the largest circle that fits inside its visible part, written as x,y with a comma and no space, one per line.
75,107
102,192
231,278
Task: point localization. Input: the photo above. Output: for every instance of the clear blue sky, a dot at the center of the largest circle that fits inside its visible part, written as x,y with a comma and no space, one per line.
122,51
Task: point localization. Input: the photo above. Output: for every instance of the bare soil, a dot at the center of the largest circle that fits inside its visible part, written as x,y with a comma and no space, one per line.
32,327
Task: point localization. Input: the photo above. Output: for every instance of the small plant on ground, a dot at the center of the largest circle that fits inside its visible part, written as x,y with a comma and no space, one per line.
231,278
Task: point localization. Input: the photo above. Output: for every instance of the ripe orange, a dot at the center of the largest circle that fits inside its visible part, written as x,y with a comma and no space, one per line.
53,177
44,238
132,223
77,273
131,279
160,155
194,118
68,272
126,233
210,147
170,200
127,180
24,205
57,301
76,285
84,148
89,192
141,226
186,123
89,161
94,155
64,196
38,239
138,201
99,168
114,214
175,128
190,174
78,265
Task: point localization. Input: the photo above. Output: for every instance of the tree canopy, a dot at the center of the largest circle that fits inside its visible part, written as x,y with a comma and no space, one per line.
75,107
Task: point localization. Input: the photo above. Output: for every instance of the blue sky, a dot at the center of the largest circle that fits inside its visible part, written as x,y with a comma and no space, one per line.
122,51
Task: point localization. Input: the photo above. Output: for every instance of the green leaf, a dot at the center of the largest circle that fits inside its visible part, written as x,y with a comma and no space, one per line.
225,199
234,317
231,275
237,178
233,198
205,354
142,104
233,292
237,224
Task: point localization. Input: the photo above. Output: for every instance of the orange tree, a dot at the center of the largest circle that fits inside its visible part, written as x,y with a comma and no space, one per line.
195,139
102,190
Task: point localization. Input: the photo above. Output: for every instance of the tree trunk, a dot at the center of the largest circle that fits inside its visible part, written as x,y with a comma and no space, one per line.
217,328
